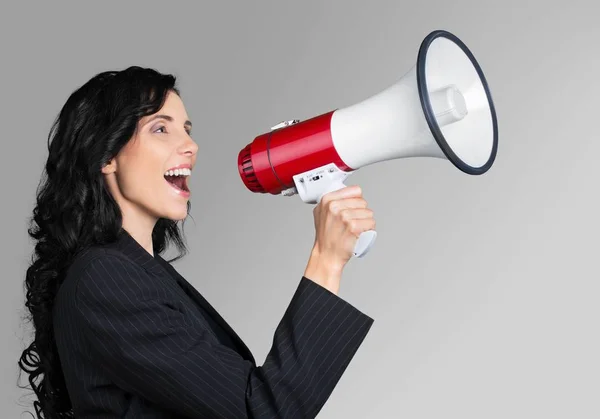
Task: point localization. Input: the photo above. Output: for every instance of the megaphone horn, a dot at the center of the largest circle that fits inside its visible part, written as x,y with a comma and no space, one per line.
442,107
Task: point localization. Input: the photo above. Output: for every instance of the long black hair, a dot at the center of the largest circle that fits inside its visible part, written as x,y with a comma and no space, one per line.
74,209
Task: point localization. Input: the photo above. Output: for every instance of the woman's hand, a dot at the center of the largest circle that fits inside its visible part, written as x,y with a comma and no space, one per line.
339,218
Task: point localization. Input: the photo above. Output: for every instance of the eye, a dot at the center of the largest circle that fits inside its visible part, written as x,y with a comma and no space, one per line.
189,132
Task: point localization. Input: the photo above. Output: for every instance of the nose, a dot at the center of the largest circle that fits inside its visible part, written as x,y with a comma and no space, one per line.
189,146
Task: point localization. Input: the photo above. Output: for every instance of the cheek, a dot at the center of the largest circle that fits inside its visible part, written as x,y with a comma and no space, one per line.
141,177
140,182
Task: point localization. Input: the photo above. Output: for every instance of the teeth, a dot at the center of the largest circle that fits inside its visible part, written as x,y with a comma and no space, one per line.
178,172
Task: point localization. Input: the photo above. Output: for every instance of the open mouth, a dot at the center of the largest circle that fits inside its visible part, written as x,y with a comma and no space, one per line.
178,182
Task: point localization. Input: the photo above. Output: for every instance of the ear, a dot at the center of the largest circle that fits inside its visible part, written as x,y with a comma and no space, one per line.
109,167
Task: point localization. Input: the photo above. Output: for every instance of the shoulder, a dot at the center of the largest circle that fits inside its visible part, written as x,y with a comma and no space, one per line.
96,258
99,267
104,280
89,274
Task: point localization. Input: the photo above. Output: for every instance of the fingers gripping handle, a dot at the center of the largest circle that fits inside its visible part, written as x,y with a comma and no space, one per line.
313,184
367,238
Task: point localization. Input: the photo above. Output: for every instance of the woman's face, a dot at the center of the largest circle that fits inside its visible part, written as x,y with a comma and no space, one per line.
136,176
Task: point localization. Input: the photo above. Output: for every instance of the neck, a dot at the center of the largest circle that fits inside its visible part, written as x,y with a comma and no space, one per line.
141,230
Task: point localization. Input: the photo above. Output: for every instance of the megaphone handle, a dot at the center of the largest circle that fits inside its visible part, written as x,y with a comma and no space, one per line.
366,238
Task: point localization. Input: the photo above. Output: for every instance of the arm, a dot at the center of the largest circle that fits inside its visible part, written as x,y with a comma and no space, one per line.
152,349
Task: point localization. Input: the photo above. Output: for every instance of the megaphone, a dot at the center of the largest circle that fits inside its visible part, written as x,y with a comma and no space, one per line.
442,107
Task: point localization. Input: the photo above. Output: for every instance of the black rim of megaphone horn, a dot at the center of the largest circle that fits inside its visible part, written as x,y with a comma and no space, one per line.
428,110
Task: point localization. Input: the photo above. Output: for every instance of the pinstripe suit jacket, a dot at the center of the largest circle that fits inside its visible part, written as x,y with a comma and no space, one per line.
136,340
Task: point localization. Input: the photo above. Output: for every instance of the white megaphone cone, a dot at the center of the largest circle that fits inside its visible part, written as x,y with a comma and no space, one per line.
441,108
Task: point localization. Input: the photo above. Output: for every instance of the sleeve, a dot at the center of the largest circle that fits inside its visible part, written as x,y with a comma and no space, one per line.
152,349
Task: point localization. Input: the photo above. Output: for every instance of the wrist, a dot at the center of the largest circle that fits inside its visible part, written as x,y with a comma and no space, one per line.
324,271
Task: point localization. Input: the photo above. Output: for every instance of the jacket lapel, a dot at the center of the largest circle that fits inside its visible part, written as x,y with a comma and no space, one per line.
157,265
200,300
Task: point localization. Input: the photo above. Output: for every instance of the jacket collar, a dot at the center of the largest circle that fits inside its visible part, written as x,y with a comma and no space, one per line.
134,251
157,265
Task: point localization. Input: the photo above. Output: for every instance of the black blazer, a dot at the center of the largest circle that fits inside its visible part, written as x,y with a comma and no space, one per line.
136,340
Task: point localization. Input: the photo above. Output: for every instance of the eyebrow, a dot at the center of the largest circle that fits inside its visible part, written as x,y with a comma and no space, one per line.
168,118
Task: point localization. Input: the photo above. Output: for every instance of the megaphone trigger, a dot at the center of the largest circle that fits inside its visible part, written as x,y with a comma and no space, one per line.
313,184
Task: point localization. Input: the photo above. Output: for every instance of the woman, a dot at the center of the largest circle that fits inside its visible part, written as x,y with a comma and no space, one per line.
118,332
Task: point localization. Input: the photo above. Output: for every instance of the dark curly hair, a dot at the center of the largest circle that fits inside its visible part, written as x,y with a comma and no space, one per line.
74,209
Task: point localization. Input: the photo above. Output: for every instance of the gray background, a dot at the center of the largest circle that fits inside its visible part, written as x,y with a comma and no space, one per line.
484,289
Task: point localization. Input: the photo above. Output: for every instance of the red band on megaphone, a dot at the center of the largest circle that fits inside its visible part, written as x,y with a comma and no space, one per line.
268,164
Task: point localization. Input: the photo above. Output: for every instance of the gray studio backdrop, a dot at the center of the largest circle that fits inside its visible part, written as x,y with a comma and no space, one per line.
483,289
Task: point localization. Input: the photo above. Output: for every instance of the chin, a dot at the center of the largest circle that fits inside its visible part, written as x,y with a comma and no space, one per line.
174,213
177,216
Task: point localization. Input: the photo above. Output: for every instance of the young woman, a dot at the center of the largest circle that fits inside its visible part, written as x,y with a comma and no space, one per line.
118,332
